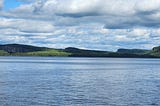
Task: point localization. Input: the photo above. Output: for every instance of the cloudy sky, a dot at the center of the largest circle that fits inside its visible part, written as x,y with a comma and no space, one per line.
91,24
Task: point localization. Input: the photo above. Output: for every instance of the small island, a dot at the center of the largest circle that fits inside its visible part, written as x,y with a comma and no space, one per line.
28,50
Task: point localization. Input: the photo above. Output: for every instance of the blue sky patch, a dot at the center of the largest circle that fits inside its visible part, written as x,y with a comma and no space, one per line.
9,4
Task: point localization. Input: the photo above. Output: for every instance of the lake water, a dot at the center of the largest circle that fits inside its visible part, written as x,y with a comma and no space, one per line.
58,81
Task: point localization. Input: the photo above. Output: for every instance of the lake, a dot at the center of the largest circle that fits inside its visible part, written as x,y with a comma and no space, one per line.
64,81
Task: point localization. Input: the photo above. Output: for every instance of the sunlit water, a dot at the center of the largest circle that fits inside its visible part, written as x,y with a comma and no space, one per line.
50,81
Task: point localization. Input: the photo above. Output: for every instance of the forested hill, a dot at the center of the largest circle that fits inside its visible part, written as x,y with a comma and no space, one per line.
28,50
15,48
133,51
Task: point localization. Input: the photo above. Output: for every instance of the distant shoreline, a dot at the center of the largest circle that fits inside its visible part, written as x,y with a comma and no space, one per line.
86,57
27,50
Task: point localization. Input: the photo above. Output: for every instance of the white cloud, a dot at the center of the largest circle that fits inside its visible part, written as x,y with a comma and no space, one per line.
113,14
95,24
26,25
140,32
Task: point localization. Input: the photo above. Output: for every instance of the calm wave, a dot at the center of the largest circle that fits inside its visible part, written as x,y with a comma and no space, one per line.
49,81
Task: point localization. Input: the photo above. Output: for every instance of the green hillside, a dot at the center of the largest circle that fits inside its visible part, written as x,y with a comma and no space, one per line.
48,52
3,53
155,51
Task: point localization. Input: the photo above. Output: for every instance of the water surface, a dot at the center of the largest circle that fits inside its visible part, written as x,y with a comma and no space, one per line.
59,81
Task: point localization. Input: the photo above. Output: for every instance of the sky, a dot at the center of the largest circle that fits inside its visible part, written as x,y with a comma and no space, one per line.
10,4
86,24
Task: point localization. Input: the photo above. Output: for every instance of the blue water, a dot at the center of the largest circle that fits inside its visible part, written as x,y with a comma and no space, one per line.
58,81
